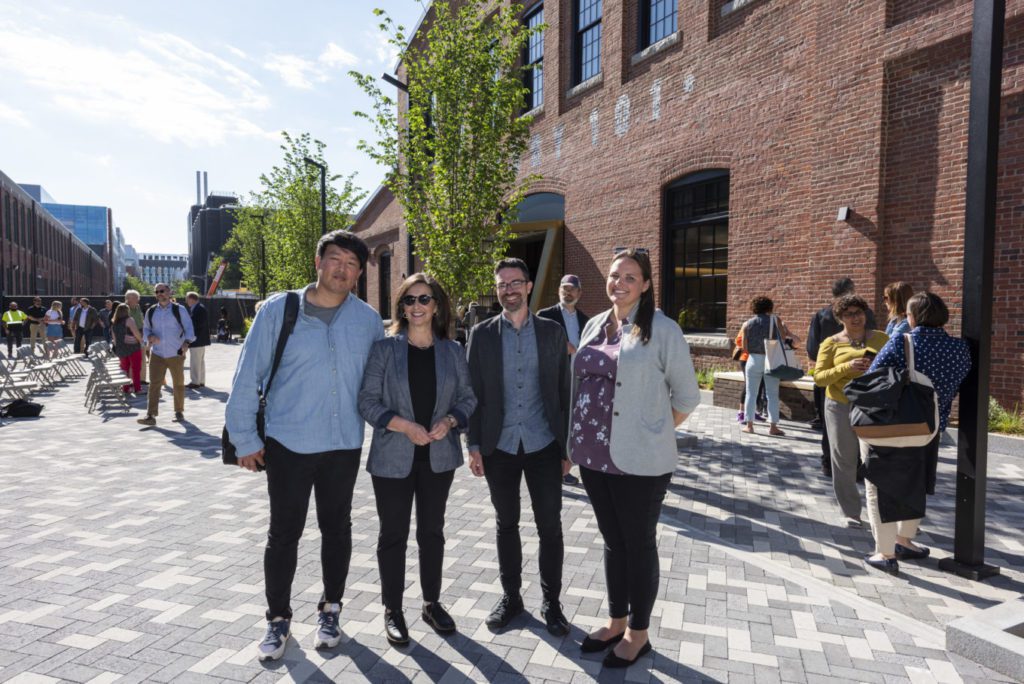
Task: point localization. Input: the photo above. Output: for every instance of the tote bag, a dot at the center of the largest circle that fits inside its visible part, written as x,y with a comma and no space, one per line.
894,407
780,362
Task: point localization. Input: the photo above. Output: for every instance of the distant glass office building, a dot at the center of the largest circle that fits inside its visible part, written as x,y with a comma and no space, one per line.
88,223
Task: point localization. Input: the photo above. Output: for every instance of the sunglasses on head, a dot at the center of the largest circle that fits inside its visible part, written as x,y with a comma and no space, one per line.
423,299
637,250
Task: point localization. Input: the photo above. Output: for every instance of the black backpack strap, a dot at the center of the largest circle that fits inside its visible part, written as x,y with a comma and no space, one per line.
291,315
174,310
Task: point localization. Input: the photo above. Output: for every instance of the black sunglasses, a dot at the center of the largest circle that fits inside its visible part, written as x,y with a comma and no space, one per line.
636,250
423,299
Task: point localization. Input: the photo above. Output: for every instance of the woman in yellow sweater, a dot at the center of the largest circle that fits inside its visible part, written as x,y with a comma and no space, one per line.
842,358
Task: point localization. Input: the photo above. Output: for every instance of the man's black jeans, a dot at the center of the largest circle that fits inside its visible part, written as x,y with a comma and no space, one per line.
627,508
290,479
394,509
543,472
13,339
83,338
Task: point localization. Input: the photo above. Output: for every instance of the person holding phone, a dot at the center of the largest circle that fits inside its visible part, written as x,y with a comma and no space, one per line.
841,358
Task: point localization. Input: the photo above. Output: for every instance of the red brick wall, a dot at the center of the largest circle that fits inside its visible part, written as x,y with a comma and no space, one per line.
811,107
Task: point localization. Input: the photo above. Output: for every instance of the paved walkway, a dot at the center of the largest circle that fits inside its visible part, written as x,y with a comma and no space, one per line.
132,554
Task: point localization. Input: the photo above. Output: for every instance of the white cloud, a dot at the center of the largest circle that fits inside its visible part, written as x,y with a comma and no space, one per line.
336,56
302,73
386,53
294,70
10,115
157,83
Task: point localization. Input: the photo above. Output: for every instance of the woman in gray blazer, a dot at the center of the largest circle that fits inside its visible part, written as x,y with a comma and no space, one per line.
416,394
633,383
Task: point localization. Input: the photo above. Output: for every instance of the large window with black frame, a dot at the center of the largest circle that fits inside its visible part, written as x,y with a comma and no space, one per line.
533,59
384,283
587,41
697,250
657,21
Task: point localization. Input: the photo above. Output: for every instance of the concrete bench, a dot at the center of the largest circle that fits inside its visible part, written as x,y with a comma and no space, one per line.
796,397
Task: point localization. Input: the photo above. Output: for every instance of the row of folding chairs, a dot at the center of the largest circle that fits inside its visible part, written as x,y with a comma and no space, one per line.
27,371
106,379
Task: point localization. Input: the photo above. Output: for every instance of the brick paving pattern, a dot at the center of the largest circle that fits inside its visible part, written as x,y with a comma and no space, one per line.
132,555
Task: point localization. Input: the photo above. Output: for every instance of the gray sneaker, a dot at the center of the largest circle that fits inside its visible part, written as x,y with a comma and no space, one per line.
328,634
275,640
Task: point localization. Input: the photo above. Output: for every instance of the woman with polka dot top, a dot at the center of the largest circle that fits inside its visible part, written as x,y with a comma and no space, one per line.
945,360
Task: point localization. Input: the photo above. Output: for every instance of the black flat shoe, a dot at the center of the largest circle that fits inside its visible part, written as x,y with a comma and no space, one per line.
591,645
504,610
394,628
612,661
889,565
906,553
437,617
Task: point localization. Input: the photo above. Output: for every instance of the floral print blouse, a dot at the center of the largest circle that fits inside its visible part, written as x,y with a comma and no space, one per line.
595,367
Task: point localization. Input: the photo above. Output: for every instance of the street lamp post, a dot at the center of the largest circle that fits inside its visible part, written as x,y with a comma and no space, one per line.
410,257
323,192
263,255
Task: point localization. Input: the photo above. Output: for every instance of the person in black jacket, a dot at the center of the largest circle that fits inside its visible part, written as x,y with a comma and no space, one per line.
823,326
565,312
197,350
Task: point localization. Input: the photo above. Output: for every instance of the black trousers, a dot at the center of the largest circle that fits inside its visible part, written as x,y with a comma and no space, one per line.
394,508
290,479
819,411
543,472
13,339
83,338
627,508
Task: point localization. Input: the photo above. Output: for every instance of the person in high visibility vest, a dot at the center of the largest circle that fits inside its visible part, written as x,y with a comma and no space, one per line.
13,323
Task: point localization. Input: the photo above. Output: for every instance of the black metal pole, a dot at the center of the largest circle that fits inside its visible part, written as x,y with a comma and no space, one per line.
979,245
263,256
323,192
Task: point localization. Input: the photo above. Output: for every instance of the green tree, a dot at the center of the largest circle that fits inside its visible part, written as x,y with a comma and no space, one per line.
453,156
180,288
280,224
138,284
232,277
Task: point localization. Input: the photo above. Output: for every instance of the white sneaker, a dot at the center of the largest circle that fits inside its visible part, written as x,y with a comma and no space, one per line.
328,634
275,640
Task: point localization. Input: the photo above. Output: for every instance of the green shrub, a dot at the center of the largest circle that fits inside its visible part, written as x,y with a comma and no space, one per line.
706,377
1006,422
246,324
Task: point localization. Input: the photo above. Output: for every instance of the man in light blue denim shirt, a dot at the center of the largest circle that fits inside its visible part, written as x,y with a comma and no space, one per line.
167,329
313,433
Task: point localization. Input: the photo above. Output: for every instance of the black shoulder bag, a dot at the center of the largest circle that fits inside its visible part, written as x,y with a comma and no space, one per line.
229,455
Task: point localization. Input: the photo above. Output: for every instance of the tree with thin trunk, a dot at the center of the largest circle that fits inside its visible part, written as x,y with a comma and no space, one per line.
453,153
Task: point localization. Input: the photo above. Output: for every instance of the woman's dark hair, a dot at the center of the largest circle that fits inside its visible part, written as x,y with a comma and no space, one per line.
346,240
898,294
442,314
643,322
761,305
121,312
846,302
928,310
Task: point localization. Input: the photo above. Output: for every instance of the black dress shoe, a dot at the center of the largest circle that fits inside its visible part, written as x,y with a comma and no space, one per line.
889,565
613,661
394,628
437,617
591,645
906,553
504,610
554,618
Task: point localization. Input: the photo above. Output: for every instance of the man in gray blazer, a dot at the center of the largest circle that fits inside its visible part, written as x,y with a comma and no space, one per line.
520,376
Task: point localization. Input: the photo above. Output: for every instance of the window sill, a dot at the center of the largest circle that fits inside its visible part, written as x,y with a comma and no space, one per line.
589,84
651,50
535,112
708,341
730,7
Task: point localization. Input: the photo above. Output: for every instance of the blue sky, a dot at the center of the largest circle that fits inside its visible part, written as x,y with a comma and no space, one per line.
120,103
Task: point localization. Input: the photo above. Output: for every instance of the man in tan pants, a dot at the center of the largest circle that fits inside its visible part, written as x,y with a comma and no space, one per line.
167,329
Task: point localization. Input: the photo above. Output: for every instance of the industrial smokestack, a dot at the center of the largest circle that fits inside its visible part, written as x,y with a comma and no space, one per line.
199,197
206,187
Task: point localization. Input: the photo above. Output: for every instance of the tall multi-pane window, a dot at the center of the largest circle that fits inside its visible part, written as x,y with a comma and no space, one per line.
697,247
534,57
657,20
587,44
384,283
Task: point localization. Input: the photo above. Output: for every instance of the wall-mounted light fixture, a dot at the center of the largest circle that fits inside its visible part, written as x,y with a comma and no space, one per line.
844,214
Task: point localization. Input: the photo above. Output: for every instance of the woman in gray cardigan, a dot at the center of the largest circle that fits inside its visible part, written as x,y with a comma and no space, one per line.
633,383
416,394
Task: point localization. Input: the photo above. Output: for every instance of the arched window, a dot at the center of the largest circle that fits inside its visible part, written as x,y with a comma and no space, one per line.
697,250
384,284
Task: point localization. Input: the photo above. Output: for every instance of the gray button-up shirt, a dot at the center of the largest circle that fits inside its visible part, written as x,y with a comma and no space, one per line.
524,421
572,325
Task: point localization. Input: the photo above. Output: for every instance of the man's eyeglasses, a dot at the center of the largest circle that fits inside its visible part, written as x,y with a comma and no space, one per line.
159,291
510,285
636,250
423,299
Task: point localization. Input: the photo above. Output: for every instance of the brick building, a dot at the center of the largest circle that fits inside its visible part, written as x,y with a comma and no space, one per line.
726,136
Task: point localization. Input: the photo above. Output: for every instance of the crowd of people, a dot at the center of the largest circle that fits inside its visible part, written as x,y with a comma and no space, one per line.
533,395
